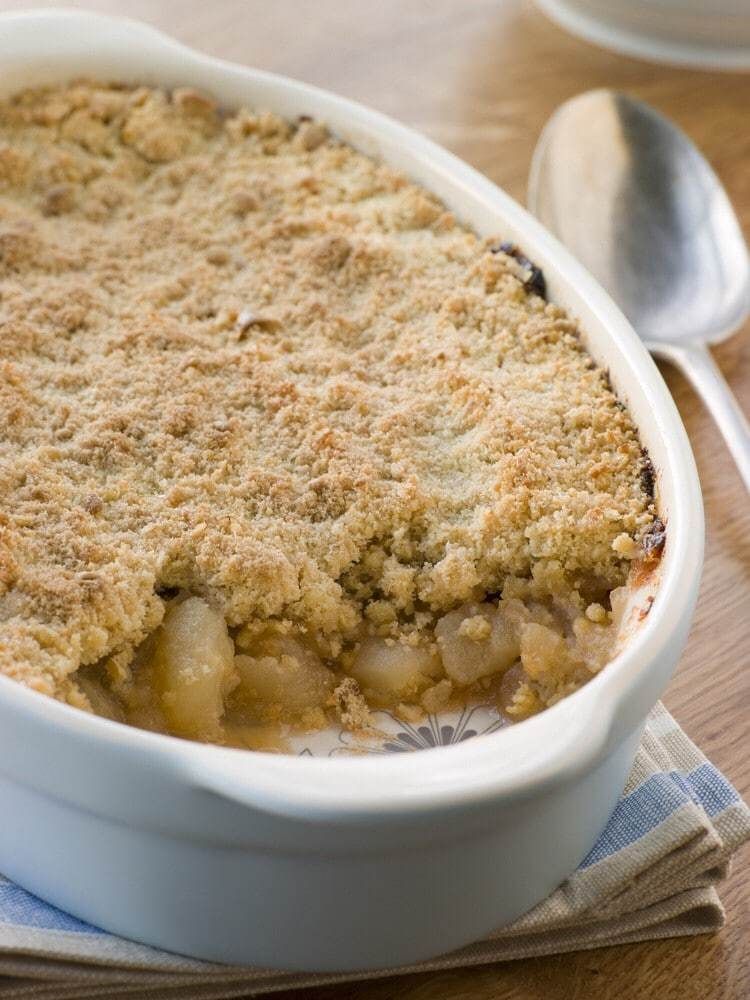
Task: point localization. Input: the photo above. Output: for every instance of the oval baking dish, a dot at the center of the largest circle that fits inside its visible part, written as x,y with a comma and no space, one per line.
343,863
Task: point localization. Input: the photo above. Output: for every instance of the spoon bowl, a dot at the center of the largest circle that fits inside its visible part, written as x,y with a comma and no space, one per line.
638,204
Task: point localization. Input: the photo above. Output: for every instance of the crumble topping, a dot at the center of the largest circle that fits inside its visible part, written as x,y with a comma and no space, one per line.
245,362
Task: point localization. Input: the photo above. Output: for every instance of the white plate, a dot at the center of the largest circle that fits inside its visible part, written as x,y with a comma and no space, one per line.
705,34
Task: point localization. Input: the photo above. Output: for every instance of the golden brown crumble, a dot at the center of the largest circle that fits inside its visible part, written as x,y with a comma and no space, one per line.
243,361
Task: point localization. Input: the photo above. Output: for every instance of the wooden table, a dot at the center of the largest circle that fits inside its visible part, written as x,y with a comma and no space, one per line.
481,77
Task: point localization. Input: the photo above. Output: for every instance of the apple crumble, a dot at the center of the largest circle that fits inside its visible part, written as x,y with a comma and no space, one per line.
283,441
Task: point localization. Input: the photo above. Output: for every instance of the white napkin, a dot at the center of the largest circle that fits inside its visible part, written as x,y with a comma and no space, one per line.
651,875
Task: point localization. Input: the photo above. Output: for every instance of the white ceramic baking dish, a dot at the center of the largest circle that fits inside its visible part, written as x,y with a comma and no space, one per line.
342,863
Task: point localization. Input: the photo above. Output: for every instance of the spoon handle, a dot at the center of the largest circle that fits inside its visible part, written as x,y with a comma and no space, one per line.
697,364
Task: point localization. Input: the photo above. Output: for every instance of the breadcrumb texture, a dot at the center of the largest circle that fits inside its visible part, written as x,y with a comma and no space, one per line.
241,359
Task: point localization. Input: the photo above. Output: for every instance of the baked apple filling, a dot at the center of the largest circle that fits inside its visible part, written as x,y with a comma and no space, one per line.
197,678
284,443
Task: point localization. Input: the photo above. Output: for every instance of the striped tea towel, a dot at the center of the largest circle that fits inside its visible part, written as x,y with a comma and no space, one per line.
650,875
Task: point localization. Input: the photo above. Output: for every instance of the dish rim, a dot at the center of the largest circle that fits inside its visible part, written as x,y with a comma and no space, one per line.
559,742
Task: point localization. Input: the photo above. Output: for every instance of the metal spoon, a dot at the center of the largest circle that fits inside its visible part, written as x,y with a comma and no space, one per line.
640,207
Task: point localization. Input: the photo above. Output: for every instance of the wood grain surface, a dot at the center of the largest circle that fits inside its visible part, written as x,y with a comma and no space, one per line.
481,77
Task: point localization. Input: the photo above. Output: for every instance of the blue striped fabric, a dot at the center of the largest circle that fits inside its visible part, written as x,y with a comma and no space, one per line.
653,802
19,908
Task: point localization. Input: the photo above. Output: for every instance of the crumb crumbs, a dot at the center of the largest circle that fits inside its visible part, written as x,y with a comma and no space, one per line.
351,706
476,628
596,613
624,545
269,366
